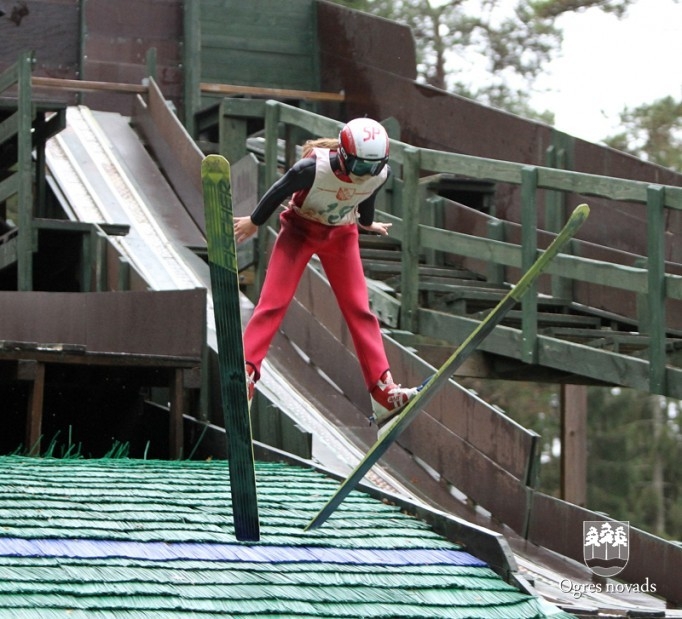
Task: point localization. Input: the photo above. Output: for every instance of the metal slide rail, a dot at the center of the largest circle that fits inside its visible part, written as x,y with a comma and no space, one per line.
650,281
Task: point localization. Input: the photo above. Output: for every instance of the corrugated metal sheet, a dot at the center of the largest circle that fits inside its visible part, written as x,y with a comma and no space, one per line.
126,538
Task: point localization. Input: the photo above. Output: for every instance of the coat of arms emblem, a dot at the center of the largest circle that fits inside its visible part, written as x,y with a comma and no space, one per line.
606,546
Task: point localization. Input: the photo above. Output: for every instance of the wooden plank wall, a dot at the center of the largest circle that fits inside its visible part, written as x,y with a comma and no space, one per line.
472,446
51,28
116,39
141,323
259,43
108,42
558,525
177,154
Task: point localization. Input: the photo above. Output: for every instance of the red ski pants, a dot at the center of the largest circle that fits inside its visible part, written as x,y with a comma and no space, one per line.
337,248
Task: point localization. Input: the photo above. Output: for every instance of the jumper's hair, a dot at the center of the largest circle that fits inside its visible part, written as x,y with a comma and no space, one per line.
330,143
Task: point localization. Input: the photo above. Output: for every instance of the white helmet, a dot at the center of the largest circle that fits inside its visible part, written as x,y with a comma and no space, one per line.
363,147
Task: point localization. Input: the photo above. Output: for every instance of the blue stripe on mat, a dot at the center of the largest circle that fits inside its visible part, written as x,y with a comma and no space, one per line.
161,551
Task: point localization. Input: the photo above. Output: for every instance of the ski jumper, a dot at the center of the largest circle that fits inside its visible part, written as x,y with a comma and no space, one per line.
321,219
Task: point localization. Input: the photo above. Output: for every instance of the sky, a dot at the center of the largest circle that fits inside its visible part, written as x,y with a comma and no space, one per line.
607,64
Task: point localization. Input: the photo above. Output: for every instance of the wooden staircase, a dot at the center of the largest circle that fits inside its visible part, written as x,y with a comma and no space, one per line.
449,291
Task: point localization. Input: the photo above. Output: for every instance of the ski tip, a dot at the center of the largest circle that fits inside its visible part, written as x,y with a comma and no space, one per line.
582,211
215,164
214,158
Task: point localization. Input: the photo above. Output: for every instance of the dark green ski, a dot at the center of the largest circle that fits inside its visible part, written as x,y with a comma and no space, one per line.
465,349
222,259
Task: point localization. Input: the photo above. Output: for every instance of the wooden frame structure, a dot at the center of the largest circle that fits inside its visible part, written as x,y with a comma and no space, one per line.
110,330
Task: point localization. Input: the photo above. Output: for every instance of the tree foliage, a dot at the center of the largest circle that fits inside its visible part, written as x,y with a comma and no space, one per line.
652,132
633,451
488,50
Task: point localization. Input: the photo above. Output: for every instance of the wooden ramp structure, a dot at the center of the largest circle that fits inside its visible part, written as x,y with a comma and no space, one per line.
98,340
447,262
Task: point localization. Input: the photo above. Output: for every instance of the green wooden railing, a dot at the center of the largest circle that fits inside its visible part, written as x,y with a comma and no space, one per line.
650,281
18,126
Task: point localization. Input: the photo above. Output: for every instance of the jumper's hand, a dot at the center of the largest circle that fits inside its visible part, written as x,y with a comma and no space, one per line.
378,227
244,228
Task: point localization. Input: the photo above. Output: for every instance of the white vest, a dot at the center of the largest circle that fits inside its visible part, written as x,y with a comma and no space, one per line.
333,201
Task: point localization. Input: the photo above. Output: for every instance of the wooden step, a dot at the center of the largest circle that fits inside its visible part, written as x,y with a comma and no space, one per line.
478,299
374,241
625,343
380,254
549,320
459,284
444,280
8,248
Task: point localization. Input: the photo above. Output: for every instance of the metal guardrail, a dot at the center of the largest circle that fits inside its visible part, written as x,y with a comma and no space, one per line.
650,281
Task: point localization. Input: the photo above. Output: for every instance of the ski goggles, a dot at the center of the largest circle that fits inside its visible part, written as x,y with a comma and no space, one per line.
364,167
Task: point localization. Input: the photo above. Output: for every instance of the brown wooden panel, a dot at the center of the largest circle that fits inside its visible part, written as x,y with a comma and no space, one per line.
177,154
469,470
49,28
118,37
131,19
120,322
335,359
149,323
379,42
465,415
558,526
657,560
129,49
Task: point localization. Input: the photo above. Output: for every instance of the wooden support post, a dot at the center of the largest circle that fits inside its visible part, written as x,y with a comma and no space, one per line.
25,171
529,250
99,250
177,396
34,372
656,293
574,444
191,56
409,283
272,112
495,271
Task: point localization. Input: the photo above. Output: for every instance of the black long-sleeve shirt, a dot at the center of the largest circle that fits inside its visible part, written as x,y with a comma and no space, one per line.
300,178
